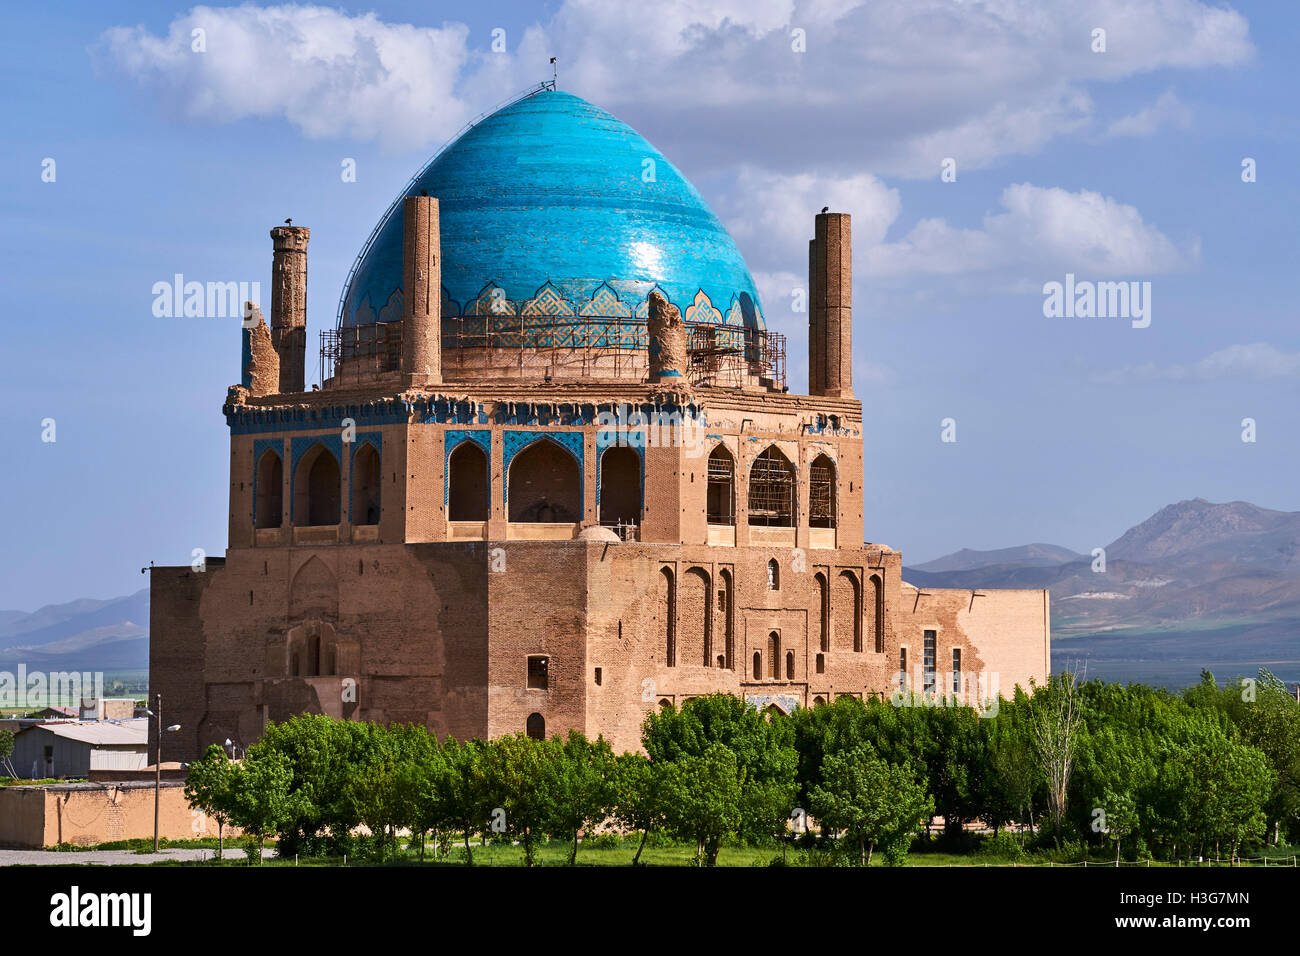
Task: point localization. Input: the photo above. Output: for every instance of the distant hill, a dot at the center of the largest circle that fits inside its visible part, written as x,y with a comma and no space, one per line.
1196,584
81,635
1027,555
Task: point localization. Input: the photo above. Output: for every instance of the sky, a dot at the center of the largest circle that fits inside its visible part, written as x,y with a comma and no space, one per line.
983,149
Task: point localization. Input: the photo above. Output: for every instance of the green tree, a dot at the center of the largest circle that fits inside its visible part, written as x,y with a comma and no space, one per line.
383,790
1121,818
207,787
518,776
640,796
765,758
323,753
7,751
261,797
703,799
580,788
872,802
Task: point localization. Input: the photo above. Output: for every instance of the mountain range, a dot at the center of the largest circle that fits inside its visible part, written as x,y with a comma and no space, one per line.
1198,584
81,635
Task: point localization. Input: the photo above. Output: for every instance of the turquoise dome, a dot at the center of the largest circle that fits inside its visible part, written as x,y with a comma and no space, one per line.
552,207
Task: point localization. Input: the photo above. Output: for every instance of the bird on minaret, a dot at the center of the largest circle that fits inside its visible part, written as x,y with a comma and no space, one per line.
289,222
826,208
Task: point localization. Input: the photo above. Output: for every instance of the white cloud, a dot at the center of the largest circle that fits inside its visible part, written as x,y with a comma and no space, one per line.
328,74
893,86
1257,362
1167,111
771,218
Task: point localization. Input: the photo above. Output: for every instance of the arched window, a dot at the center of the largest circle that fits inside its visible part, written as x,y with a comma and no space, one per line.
721,493
667,607
819,701
722,662
821,493
876,610
316,488
789,665
773,575
774,655
695,618
545,485
468,484
771,490
758,666
270,490
365,485
620,487
536,727
846,604
725,603
824,610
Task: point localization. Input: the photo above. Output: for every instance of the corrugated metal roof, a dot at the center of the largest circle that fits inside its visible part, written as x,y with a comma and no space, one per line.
102,732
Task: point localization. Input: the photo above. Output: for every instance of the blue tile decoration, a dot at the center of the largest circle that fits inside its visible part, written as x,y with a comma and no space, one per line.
601,448
260,447
376,441
333,443
433,410
453,437
548,216
513,442
788,703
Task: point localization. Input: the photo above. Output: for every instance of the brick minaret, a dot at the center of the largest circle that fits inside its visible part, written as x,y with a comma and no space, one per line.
831,318
666,334
421,291
816,331
289,304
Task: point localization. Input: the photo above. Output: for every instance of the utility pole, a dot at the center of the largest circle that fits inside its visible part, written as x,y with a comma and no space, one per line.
157,769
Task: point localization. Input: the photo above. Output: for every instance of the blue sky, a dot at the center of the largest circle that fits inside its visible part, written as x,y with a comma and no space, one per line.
1115,165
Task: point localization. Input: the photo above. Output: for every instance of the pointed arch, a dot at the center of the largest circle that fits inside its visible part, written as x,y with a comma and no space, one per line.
721,492
365,485
876,612
269,505
317,488
821,493
846,603
823,611
696,617
545,484
620,487
468,483
772,490
726,600
666,610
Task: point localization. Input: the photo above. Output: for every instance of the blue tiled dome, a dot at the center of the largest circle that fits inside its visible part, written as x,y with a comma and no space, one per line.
546,210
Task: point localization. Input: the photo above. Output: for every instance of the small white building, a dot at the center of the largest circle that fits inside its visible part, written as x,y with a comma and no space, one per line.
74,748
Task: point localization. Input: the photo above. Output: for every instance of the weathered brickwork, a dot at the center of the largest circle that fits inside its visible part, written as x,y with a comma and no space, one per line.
521,585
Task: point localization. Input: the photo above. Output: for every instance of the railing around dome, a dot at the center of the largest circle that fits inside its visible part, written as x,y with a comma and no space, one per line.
723,355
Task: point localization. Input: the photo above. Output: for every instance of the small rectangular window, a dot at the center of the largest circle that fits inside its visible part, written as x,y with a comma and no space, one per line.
902,668
928,660
956,670
597,676
537,667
